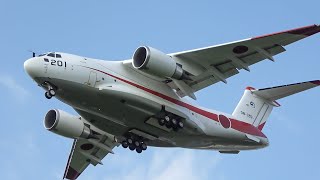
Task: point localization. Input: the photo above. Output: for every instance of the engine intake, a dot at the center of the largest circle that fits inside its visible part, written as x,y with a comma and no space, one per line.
67,125
155,62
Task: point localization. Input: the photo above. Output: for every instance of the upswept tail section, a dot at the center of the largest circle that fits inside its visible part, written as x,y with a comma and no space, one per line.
256,105
252,108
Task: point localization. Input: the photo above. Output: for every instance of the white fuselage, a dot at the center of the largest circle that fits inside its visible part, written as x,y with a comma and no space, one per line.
116,98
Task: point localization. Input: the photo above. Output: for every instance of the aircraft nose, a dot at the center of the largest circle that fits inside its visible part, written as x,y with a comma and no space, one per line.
30,67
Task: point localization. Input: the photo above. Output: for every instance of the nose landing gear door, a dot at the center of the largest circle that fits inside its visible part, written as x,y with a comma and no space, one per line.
92,79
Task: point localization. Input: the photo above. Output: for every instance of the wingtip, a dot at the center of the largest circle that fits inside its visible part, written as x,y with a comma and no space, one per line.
305,31
72,174
316,82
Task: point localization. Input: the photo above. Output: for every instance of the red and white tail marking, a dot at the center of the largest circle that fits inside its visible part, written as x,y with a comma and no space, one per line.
256,105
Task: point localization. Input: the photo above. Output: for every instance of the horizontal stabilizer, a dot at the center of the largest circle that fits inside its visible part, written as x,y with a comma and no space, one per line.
279,92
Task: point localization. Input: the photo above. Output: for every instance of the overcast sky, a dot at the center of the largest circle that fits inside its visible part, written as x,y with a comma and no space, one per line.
112,30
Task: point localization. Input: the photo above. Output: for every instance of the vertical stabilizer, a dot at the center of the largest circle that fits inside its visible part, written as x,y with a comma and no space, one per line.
255,106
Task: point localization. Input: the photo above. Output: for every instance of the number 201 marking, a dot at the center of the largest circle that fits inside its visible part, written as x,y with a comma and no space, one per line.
58,63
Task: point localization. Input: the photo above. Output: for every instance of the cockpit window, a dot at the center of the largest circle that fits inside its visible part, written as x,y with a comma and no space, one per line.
51,55
42,55
58,55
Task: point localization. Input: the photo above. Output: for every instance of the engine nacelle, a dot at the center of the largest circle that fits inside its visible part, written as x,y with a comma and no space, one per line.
65,124
155,62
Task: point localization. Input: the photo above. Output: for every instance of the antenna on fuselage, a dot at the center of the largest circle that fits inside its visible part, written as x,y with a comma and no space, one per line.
33,53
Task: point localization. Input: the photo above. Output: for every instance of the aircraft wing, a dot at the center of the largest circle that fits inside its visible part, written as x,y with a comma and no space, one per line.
85,152
210,65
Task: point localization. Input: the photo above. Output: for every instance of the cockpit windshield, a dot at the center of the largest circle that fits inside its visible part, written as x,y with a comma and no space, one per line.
51,54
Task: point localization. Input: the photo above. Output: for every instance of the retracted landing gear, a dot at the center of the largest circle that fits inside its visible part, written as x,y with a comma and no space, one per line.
134,142
170,121
51,90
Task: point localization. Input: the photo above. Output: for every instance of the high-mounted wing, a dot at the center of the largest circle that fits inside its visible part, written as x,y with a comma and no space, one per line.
210,65
85,152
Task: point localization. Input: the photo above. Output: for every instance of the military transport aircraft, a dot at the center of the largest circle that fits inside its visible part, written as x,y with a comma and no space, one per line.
140,102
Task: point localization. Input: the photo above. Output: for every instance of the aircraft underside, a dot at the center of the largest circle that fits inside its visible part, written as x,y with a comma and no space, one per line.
127,115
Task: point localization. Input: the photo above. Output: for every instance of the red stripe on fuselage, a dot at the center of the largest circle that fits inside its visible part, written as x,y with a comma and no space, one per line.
235,124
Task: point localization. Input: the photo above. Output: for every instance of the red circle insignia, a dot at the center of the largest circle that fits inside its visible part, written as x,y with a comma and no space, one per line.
224,121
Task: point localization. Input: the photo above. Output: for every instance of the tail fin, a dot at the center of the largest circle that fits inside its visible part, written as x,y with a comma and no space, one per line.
255,106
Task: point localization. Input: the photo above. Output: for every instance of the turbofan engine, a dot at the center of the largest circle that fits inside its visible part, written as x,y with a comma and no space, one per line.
67,125
155,62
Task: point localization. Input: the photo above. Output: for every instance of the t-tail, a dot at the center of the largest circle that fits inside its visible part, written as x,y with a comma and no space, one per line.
256,105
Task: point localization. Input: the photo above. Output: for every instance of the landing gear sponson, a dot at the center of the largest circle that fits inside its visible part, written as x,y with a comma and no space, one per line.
164,119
